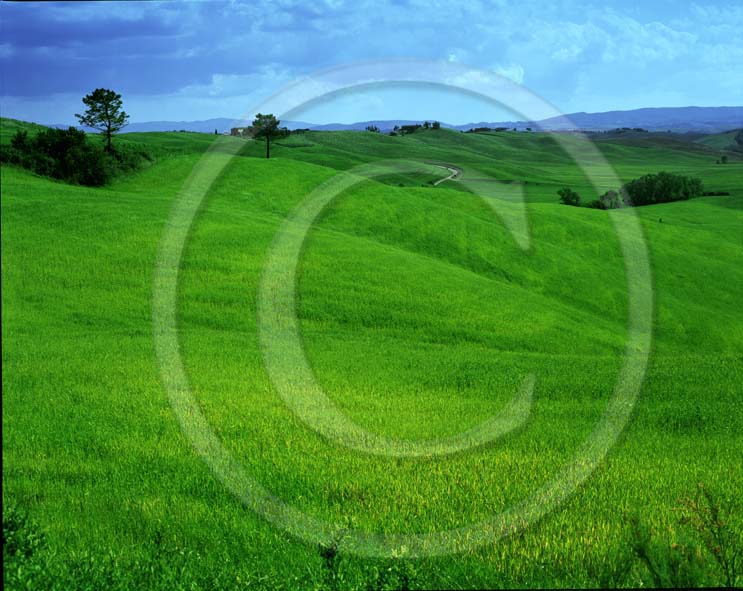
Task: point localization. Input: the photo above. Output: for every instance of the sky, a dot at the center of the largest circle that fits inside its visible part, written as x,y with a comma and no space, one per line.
194,60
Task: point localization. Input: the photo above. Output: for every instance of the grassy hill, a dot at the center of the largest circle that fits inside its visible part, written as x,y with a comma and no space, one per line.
9,127
721,141
420,316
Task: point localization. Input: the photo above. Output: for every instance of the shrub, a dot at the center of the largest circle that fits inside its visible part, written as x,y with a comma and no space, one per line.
68,155
709,530
609,200
706,516
568,196
406,129
667,565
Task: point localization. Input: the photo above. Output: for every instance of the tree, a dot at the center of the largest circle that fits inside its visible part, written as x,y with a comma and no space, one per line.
426,125
568,196
611,200
104,113
723,159
372,128
267,126
739,139
662,187
436,125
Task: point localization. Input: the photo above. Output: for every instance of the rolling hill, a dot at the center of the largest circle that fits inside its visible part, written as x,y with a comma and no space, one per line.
419,313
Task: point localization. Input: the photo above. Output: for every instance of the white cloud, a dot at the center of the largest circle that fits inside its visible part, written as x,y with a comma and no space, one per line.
513,72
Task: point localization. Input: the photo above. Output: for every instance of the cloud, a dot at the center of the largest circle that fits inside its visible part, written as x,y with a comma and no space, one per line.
576,54
513,72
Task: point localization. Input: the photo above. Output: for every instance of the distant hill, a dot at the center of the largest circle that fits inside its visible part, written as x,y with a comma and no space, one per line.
678,119
383,125
722,141
702,119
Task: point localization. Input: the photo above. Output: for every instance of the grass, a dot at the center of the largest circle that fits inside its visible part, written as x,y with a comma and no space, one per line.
420,316
721,141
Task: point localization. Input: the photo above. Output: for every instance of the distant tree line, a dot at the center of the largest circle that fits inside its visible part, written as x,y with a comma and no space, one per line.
412,128
663,187
625,130
486,129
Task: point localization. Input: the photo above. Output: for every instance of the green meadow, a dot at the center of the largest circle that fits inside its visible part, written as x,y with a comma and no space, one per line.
420,316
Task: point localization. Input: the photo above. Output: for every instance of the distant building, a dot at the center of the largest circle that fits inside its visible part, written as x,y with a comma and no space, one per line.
241,131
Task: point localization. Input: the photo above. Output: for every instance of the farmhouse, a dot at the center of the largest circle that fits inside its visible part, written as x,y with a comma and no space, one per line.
241,131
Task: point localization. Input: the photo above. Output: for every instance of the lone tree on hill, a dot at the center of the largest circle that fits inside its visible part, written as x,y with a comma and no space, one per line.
267,126
104,113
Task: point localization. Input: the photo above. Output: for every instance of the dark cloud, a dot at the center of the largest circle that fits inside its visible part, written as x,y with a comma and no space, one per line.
25,29
563,49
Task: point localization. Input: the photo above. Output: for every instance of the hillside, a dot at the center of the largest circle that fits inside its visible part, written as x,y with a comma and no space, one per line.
721,141
9,127
420,316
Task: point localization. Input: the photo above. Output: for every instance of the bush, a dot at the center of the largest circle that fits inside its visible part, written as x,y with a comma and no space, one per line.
67,155
568,196
707,552
610,200
406,129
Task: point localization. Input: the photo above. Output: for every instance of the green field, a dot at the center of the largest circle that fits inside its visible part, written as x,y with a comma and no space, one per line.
420,316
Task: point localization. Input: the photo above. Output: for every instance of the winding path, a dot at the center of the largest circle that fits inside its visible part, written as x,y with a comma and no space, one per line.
455,173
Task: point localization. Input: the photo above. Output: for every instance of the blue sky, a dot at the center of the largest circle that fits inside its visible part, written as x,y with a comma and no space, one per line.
198,60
